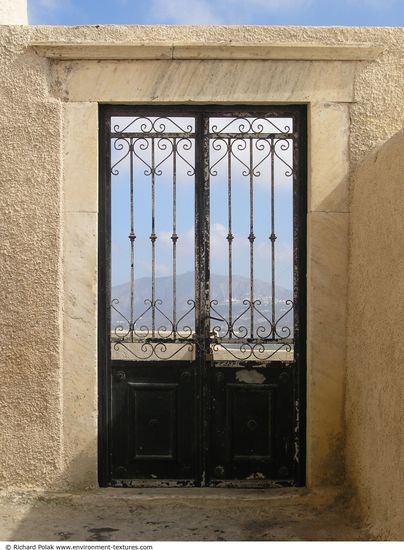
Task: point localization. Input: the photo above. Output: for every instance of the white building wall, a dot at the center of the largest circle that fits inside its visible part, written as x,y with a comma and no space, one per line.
13,12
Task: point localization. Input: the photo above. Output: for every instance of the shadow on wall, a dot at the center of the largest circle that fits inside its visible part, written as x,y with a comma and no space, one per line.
374,403
177,514
109,514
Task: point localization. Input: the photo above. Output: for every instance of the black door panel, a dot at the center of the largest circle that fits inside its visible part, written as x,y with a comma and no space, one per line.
153,417
251,425
202,274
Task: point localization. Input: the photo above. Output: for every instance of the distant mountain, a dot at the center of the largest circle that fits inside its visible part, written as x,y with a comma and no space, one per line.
186,291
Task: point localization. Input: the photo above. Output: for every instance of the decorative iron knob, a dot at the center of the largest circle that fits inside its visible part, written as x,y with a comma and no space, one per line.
219,471
252,425
186,376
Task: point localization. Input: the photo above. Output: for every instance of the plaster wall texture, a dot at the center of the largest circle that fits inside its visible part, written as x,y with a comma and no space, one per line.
13,12
374,406
31,287
48,127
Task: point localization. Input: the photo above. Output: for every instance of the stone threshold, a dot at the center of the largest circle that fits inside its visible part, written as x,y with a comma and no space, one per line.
180,515
212,51
324,496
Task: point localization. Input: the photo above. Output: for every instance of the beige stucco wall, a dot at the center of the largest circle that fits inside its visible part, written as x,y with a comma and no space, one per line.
374,407
30,272
48,127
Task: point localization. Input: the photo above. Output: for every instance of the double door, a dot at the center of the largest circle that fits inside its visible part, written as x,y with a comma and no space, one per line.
202,296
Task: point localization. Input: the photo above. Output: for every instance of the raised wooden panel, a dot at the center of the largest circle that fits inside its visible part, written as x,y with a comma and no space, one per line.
153,417
249,418
251,424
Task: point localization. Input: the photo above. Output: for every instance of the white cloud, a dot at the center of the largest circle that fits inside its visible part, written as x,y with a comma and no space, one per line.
377,5
271,5
216,12
161,269
218,242
54,4
195,12
202,12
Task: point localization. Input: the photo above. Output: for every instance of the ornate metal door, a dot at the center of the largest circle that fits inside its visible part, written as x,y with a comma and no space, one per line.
202,295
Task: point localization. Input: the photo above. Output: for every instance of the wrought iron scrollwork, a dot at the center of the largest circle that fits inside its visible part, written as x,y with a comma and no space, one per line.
139,145
250,125
150,146
153,125
153,350
252,350
254,147
264,343
258,147
284,146
119,144
161,342
238,144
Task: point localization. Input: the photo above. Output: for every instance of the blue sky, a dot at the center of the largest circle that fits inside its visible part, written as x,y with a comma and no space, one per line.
263,12
218,205
232,12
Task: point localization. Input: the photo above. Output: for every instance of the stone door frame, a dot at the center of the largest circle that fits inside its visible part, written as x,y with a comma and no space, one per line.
321,77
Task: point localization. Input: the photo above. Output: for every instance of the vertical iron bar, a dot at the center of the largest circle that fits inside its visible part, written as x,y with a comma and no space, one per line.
251,238
174,238
104,300
206,297
153,238
230,238
273,239
202,321
300,280
132,242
